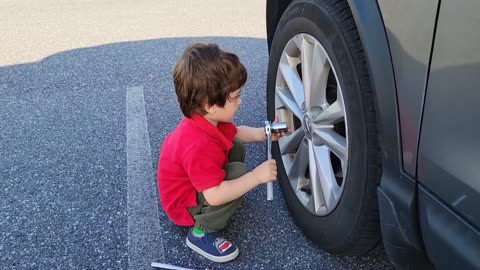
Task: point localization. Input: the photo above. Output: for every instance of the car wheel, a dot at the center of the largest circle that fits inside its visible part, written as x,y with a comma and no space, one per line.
329,164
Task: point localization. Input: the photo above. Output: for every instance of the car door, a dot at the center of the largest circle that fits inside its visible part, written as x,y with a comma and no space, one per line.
449,149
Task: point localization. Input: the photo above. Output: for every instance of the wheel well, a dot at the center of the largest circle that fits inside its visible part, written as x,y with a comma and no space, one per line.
275,11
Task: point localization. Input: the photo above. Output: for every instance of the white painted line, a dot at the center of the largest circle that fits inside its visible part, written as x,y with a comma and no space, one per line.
145,243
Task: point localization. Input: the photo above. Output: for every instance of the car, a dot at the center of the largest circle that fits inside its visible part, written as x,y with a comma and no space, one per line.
381,98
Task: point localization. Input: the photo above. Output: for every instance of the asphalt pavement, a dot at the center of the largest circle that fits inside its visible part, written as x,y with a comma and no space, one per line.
81,128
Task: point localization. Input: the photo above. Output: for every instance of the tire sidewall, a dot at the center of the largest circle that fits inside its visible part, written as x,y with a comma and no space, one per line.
337,228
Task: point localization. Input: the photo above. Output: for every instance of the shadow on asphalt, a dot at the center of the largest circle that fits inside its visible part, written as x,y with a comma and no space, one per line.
62,160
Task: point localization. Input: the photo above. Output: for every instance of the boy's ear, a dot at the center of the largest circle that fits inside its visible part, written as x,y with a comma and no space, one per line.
210,109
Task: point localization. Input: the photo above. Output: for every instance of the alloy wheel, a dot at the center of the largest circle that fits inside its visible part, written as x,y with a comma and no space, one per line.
308,96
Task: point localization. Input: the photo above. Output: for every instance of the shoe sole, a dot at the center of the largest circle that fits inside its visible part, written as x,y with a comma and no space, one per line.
217,259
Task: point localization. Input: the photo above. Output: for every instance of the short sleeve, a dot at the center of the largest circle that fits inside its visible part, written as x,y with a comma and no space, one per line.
204,166
228,129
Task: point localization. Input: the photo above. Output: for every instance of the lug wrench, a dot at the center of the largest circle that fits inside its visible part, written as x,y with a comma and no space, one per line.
174,267
272,128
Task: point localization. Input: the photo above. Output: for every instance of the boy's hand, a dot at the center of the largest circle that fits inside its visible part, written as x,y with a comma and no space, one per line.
266,172
277,136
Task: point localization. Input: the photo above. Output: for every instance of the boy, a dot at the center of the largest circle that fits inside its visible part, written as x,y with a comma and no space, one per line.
202,177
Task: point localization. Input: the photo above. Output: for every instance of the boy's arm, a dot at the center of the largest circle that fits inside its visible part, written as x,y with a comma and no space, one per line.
230,190
256,135
251,134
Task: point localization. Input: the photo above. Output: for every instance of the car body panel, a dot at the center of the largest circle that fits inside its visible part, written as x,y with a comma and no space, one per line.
449,151
410,27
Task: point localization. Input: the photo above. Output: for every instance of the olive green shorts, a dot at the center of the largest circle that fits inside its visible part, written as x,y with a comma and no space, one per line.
214,218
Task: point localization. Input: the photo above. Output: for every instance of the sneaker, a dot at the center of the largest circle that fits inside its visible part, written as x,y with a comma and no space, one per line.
212,247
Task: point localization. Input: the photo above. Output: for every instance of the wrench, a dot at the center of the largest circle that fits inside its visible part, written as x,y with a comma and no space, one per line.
272,128
174,267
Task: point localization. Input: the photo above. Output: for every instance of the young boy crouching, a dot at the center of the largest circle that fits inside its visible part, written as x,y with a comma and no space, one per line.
202,176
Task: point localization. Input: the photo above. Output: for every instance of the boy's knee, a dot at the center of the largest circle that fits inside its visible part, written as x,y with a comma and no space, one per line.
234,170
238,152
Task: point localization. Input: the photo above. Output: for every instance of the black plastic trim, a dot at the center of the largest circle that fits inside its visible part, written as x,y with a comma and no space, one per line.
397,232
451,242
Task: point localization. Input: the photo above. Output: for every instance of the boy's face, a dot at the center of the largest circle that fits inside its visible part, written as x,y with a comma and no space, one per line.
227,113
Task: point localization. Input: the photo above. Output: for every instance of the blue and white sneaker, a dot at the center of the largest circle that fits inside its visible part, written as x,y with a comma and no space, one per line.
212,247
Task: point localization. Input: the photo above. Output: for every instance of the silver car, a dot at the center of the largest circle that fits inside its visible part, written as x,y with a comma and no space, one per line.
383,97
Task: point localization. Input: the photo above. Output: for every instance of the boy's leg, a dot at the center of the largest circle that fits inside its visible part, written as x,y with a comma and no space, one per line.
237,153
214,218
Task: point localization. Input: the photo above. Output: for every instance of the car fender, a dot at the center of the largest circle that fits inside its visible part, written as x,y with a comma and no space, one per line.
397,193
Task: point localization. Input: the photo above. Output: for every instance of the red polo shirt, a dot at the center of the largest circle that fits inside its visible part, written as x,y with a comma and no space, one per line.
191,160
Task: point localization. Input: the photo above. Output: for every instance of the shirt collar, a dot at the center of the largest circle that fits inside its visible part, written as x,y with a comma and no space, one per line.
224,133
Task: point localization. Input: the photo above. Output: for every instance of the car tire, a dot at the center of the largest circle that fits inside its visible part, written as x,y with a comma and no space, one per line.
352,227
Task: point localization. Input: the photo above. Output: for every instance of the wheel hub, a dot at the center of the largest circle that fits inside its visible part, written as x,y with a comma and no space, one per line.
307,126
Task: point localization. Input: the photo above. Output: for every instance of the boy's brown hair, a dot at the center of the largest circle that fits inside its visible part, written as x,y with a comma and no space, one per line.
206,75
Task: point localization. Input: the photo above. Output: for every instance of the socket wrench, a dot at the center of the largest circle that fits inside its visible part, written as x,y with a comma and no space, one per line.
272,128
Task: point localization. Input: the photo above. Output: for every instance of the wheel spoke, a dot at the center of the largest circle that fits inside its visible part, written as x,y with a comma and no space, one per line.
292,79
310,204
286,99
333,114
344,168
318,199
324,184
298,167
306,50
291,141
320,69
298,39
334,141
